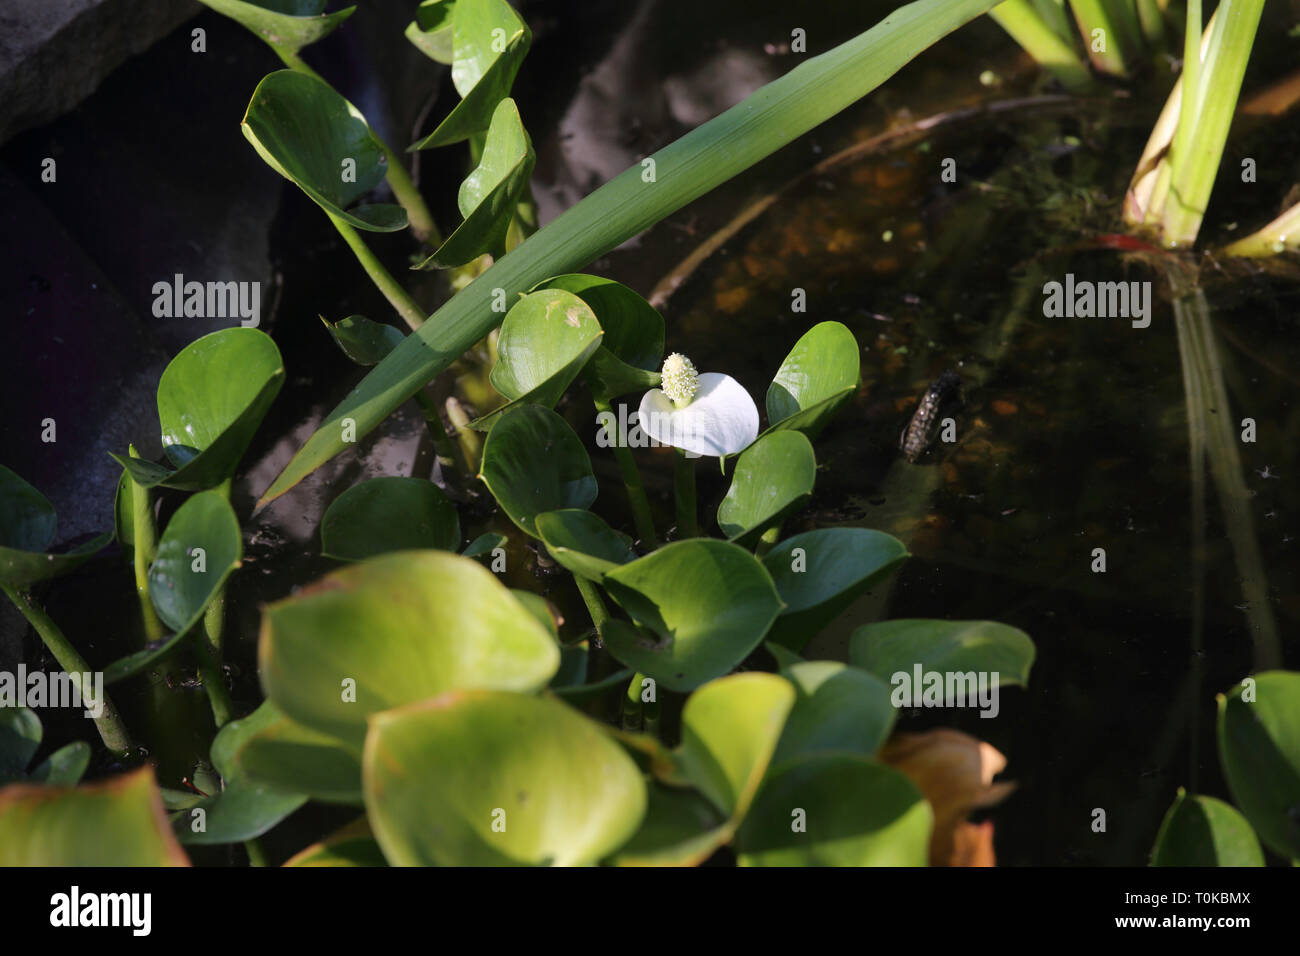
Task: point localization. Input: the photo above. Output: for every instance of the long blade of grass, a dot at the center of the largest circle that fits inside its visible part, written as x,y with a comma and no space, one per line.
1106,30
632,202
1022,20
1281,234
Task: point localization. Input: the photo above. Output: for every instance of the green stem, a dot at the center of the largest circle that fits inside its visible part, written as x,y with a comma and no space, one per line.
470,445
442,443
109,724
684,491
595,603
406,307
256,855
214,683
1051,51
769,539
636,496
632,704
144,546
399,180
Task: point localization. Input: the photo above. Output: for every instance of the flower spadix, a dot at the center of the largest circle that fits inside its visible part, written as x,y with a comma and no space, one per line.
706,413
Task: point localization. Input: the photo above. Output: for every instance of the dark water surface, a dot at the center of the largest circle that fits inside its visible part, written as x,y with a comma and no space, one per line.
1072,435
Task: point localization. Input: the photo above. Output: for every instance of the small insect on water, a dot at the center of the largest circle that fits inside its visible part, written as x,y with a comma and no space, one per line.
919,433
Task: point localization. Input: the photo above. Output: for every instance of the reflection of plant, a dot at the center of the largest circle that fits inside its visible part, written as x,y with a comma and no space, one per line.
1259,748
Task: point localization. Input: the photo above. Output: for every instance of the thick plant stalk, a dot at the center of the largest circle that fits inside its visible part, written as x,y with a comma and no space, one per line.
688,525
1050,50
109,723
595,603
1107,29
397,296
635,200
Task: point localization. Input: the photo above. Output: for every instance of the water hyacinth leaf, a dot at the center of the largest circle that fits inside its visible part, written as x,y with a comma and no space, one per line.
820,573
320,142
632,350
393,630
893,647
211,399
286,25
583,543
488,196
707,604
819,375
27,526
352,845
389,514
686,169
533,462
242,811
730,729
773,478
856,813
63,768
783,655
1259,748
837,708
484,544
489,42
680,828
581,694
1203,831
483,778
431,30
362,340
114,822
197,552
546,339
20,738
268,750
541,609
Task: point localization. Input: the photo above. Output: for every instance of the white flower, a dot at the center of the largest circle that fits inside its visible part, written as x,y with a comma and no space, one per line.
705,413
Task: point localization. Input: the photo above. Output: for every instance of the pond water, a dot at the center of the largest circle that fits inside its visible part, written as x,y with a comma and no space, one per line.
1072,433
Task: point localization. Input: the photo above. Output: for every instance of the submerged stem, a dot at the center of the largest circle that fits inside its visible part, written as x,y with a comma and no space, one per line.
109,724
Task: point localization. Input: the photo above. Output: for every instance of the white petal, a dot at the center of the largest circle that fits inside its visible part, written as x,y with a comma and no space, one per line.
722,420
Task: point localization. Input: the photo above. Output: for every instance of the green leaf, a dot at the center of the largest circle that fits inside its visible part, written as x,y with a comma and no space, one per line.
855,813
489,42
287,25
773,478
389,514
685,170
1203,831
352,845
819,375
893,647
197,552
27,525
211,399
581,694
482,778
838,708
533,462
431,30
488,196
632,350
242,811
546,339
124,516
680,829
820,573
730,730
268,750
20,738
115,822
484,544
582,542
403,627
708,604
316,139
65,767
363,341
1259,747
540,609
